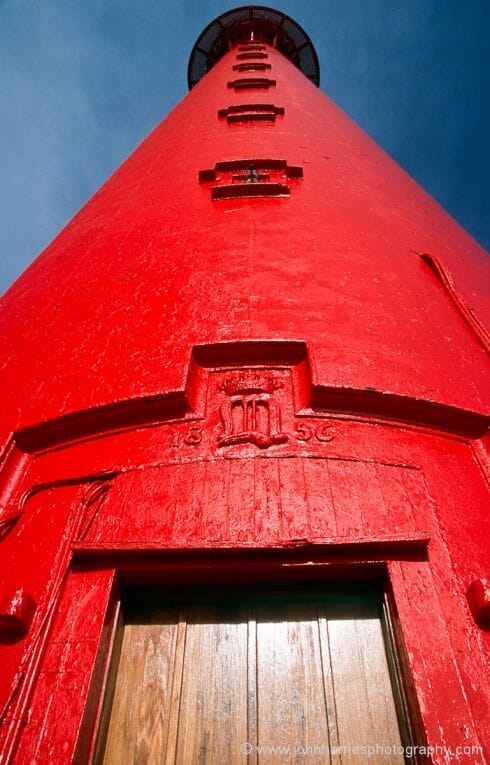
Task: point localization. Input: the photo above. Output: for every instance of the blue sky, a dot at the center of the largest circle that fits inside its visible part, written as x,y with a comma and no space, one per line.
82,83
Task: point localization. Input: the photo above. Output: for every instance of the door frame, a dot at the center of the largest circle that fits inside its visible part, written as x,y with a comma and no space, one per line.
244,568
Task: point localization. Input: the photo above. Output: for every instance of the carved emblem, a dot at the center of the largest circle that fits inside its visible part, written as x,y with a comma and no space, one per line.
250,414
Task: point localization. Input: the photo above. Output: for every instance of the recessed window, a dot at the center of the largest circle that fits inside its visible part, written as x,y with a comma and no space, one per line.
251,178
249,83
251,66
252,54
252,46
250,113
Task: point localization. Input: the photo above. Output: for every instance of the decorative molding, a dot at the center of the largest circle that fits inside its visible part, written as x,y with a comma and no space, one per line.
183,412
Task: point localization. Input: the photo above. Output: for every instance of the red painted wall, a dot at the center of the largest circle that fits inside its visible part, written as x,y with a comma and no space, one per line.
129,348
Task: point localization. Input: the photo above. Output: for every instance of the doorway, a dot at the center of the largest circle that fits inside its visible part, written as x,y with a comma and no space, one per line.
230,676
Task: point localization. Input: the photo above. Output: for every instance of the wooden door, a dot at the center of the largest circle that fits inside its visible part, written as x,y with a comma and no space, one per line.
258,680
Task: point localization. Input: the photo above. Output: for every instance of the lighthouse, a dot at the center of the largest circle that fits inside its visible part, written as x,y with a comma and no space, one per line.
244,446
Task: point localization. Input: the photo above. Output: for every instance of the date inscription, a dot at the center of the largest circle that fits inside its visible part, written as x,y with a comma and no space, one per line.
193,435
323,433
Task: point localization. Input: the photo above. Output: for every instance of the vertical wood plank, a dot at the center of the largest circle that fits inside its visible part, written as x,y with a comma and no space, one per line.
291,710
176,692
138,726
164,499
294,503
328,689
319,497
241,504
213,705
215,509
376,518
396,498
252,689
421,510
346,501
267,500
366,714
189,510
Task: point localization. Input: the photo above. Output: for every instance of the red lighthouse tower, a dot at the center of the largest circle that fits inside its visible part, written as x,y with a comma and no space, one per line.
244,468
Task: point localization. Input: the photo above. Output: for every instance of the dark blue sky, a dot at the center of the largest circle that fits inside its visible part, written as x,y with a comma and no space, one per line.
83,82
